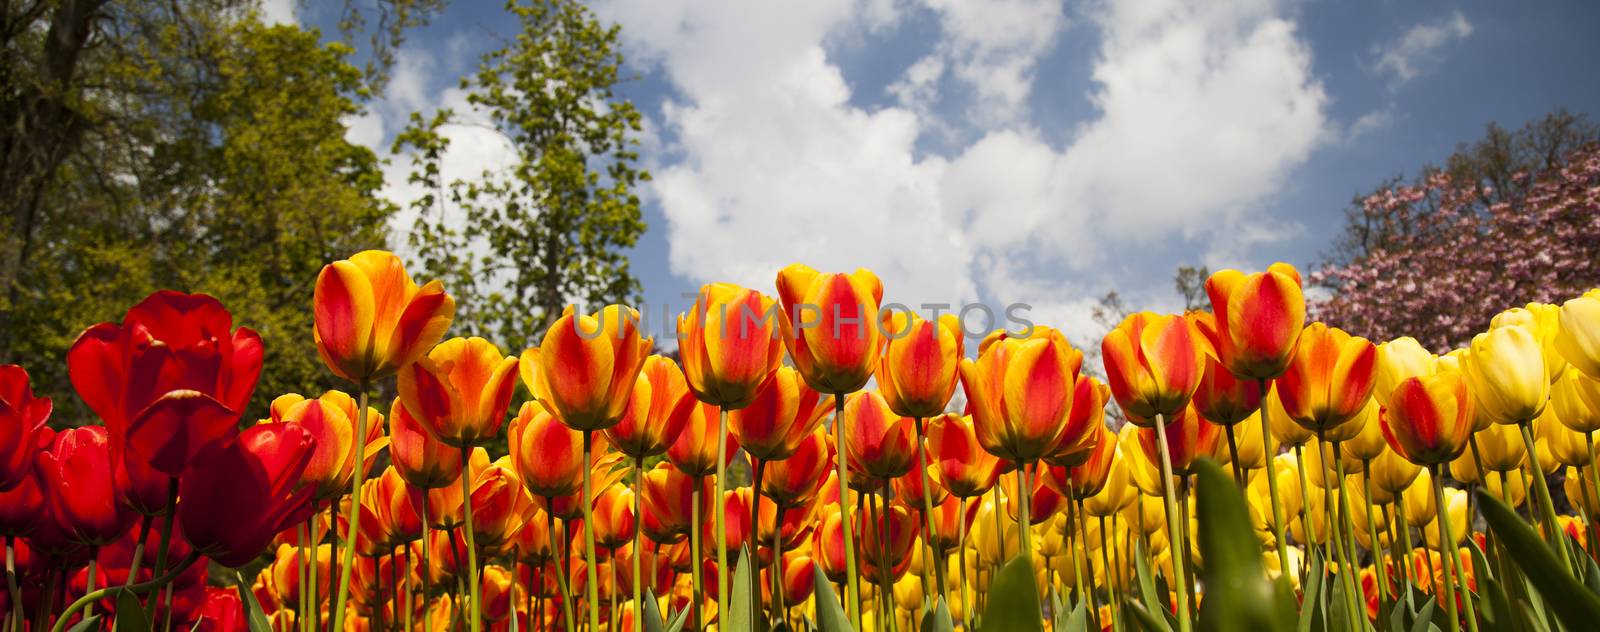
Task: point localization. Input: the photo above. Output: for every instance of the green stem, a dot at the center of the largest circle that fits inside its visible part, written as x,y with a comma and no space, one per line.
853,596
1342,539
1447,556
961,557
96,595
476,613
1024,494
1272,486
593,587
927,507
355,511
717,518
1175,534
1372,531
1083,549
638,543
755,539
1593,480
11,584
422,511
171,515
561,569
1305,511
1233,457
1077,562
697,598
1552,528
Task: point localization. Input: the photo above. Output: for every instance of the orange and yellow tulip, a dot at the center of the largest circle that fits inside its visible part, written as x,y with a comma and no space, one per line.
460,391
371,319
331,420
1154,364
695,451
783,414
1189,437
548,455
797,479
729,344
585,369
878,442
917,374
836,352
648,426
1329,378
966,469
667,498
1259,317
1020,393
1222,398
423,461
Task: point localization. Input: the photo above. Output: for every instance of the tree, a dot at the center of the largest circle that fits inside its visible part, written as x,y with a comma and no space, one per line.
1448,261
211,158
518,245
1190,282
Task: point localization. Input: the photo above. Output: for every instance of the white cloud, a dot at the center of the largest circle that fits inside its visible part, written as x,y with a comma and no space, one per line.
1420,47
1204,108
278,12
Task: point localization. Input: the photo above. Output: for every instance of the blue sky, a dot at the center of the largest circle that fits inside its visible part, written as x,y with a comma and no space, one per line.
1021,151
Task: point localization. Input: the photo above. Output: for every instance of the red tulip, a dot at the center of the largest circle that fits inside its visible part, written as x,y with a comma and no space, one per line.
878,443
171,380
21,417
238,497
886,542
75,473
22,506
221,611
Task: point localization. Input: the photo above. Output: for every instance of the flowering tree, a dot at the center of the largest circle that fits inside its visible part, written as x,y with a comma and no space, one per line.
1449,261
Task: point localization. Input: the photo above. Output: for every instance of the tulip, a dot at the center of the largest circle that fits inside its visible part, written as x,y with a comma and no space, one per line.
1576,400
1221,398
331,421
1259,317
782,415
668,501
1329,378
917,375
372,320
613,517
729,344
424,462
21,417
1154,364
75,475
239,496
1578,333
648,426
459,391
1397,360
878,442
171,381
1506,370
1543,321
500,504
1429,419
797,480
389,520
965,468
1188,437
886,543
1361,438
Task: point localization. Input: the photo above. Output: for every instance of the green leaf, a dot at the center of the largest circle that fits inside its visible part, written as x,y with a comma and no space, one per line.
1238,594
252,608
830,615
1572,603
739,613
1423,620
86,624
651,618
1014,598
130,614
1311,606
938,619
1147,621
1077,620
1338,615
678,619
1147,588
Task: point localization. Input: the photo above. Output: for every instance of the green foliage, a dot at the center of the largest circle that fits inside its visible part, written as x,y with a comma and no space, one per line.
1574,605
215,162
1238,593
516,246
830,615
1014,598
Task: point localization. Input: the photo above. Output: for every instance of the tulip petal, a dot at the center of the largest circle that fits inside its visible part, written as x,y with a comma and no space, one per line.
179,427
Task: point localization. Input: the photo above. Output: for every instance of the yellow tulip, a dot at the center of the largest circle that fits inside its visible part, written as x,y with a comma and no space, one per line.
1417,503
1566,447
1247,434
1316,513
1399,359
1358,514
1501,447
1542,319
1146,475
1455,501
1578,333
1506,372
1576,400
1368,443
1515,489
1575,490
1392,473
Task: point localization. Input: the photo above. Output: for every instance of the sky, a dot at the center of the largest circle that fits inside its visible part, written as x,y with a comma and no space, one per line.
1017,151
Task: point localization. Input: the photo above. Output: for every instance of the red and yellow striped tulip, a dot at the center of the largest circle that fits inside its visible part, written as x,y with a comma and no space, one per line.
331,420
1258,316
1329,378
424,462
878,442
372,320
695,451
1020,393
648,426
1429,418
837,352
729,344
668,502
460,391
1222,398
917,374
1154,364
796,480
783,414
585,368
966,469
547,454
1189,437
1089,396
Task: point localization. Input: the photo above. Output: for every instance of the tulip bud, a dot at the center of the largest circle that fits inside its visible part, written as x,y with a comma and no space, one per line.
830,326
1455,502
424,462
729,344
75,475
613,517
917,375
1258,316
372,319
585,369
886,543
1392,473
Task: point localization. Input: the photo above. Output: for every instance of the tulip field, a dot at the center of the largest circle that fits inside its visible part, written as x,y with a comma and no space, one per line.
798,464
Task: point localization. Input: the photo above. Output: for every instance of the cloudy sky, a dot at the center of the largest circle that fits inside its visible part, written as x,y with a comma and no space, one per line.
1019,150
